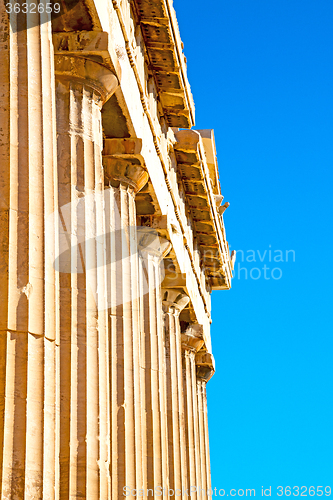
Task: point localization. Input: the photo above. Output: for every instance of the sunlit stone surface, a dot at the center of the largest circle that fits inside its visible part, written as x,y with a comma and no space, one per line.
111,241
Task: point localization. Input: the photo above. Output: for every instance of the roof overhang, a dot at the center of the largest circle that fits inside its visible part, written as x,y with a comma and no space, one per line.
203,197
167,62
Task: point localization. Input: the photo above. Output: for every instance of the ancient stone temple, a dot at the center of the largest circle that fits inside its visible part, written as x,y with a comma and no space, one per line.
111,241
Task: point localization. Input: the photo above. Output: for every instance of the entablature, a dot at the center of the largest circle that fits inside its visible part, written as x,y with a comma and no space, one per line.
170,163
203,197
166,60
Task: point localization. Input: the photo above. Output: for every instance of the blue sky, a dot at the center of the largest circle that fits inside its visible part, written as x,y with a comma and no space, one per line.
262,78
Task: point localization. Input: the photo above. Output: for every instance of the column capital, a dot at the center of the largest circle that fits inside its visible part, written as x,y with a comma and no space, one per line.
90,46
86,72
124,164
192,338
205,364
174,300
150,242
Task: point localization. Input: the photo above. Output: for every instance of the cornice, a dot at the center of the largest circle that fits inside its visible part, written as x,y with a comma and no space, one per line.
203,195
166,60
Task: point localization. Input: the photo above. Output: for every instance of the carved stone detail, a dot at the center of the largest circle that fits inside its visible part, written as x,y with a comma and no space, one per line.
123,163
205,365
150,242
86,72
119,171
175,300
192,338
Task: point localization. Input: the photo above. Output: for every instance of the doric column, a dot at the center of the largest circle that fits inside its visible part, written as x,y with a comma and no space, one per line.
82,86
152,249
27,278
173,303
205,409
205,370
125,175
192,341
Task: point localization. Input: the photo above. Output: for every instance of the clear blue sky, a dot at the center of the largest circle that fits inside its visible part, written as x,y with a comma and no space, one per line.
262,78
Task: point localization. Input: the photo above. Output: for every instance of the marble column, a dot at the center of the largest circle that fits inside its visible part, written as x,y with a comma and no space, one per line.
205,409
205,370
152,250
174,301
82,86
27,277
192,341
125,176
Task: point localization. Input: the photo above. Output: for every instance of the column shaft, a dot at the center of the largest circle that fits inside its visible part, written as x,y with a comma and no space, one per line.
152,249
173,405
202,439
83,444
149,383
182,426
126,198
137,346
27,290
125,178
190,441
144,359
174,302
103,335
196,425
121,329
192,341
204,371
162,392
204,401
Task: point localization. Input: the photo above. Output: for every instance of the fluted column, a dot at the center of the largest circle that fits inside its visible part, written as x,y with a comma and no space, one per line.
82,86
27,278
173,303
205,370
125,176
152,249
192,341
205,409
163,401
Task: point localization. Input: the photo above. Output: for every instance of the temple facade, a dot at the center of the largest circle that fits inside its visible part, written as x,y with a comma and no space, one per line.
111,241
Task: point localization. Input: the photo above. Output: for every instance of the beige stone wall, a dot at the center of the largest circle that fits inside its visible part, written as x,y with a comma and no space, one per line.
111,241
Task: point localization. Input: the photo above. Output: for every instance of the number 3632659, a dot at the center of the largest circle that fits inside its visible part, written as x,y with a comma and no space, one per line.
304,491
32,8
